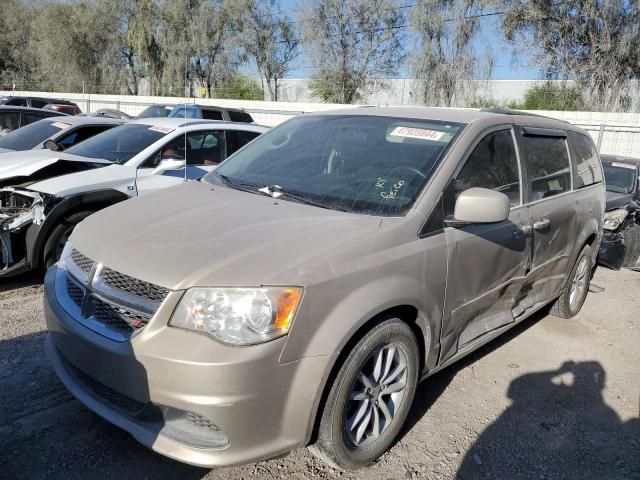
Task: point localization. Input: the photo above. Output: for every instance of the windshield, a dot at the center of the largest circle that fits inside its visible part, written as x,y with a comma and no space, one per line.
185,111
373,165
29,136
155,111
120,144
619,179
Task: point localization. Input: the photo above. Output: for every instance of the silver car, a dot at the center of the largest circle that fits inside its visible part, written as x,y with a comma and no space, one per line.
298,294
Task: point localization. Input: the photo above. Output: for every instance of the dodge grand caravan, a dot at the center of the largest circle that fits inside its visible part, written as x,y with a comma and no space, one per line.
300,292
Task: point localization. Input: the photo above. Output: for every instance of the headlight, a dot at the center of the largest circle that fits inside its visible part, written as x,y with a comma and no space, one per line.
239,316
614,218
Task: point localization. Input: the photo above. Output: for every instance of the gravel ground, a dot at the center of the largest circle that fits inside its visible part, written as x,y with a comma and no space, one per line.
550,399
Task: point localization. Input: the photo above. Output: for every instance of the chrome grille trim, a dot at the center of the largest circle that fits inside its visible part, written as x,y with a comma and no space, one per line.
110,303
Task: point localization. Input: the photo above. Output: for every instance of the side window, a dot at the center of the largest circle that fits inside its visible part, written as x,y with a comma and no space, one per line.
587,165
8,122
28,118
237,139
38,103
547,165
81,134
17,102
236,116
200,148
493,164
211,114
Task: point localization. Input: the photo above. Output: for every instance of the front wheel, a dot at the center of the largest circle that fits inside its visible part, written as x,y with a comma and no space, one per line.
575,291
632,245
59,235
370,397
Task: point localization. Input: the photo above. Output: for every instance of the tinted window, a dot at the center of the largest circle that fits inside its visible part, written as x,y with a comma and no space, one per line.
202,148
119,144
8,122
38,103
588,169
28,118
17,102
494,165
212,114
155,111
26,138
237,139
236,116
368,164
620,177
81,134
547,166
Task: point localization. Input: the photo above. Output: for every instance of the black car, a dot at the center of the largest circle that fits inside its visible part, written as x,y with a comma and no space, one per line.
33,102
12,118
621,241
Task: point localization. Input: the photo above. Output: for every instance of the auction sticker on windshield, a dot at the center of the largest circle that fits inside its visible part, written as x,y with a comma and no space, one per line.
60,125
160,129
623,165
420,133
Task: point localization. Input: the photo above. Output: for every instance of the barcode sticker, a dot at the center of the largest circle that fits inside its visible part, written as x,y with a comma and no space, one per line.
60,125
160,129
421,133
624,165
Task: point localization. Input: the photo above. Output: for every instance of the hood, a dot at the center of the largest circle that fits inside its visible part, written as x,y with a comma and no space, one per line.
617,200
6,150
199,235
24,164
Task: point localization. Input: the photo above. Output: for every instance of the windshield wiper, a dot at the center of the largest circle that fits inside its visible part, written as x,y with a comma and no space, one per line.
276,191
245,187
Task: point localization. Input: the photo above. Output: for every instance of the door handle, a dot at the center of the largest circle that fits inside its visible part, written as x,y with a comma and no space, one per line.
542,224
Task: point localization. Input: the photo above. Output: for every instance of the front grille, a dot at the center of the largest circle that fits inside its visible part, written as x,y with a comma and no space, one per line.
76,293
103,393
133,286
83,263
116,317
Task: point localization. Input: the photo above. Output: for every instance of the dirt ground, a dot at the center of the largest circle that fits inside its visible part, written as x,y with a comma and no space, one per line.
551,399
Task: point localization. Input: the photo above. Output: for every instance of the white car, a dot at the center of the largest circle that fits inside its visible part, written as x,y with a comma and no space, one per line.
44,194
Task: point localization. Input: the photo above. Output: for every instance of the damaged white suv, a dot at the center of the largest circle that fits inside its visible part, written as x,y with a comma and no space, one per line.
45,194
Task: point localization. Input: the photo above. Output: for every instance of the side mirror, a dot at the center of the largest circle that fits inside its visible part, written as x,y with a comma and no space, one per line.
168,164
481,205
53,146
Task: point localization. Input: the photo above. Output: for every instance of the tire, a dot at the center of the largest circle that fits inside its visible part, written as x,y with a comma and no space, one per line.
632,245
343,441
59,236
567,305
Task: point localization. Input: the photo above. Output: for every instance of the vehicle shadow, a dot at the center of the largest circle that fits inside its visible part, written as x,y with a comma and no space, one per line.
558,426
46,433
31,279
433,387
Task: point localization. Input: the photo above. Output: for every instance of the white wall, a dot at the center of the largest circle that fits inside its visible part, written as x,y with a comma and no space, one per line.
621,134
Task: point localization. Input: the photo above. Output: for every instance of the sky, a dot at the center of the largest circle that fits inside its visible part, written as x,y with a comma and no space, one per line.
507,66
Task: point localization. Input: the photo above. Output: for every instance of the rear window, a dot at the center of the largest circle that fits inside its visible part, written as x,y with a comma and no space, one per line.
588,171
212,114
120,144
547,166
27,137
236,116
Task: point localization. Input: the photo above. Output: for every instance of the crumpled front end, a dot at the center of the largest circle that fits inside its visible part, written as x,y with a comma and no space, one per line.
20,210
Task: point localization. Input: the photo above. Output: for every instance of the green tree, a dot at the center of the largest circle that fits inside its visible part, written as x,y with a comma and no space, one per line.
351,41
594,42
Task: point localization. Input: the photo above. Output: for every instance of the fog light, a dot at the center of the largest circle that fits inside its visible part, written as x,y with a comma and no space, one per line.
192,429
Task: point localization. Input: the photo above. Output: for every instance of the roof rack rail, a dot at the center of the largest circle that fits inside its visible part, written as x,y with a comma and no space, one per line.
508,111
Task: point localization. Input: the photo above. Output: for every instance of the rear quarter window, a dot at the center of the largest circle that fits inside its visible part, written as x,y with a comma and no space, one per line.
588,169
244,117
547,166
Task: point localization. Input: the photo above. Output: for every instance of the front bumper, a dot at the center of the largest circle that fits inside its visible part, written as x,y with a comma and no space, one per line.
264,408
612,250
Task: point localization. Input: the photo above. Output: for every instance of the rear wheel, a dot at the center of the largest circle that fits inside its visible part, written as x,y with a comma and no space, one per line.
632,245
575,291
370,397
59,236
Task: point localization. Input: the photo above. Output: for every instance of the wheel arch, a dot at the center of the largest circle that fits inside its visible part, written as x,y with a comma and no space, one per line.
94,200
